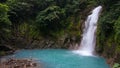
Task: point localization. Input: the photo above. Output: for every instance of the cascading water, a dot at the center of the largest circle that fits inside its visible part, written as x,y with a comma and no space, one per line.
87,45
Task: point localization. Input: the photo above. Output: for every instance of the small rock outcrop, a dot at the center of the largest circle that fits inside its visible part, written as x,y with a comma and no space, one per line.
18,63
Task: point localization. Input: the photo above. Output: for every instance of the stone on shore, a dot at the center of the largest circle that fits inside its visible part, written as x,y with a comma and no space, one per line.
19,63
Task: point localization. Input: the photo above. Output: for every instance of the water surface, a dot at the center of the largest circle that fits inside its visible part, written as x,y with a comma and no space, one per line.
59,58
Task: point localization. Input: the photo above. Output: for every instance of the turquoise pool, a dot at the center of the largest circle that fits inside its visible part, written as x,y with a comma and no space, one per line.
60,58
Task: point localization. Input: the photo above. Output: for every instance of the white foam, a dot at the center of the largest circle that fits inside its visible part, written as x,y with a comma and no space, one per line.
87,46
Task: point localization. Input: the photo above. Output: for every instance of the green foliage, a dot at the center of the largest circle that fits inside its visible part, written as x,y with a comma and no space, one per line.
51,20
116,65
28,30
117,34
19,11
117,30
4,21
108,28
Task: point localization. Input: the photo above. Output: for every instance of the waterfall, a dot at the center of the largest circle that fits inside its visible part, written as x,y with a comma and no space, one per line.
88,42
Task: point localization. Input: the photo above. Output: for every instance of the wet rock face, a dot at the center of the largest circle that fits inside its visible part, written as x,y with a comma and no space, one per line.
18,63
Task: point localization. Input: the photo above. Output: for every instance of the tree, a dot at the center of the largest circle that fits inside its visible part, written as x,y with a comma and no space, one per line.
4,21
51,20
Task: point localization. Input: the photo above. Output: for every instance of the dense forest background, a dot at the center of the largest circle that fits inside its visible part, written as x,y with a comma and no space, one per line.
58,24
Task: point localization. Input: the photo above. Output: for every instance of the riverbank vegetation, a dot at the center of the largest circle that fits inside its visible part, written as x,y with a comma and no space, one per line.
58,24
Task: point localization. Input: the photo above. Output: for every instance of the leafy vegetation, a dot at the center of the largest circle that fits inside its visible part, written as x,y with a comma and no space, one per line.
116,65
4,22
108,29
